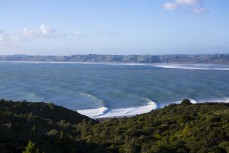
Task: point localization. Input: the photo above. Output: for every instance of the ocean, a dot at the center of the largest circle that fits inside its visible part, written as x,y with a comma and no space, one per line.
107,90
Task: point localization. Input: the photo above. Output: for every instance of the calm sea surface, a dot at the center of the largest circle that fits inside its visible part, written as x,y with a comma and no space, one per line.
102,90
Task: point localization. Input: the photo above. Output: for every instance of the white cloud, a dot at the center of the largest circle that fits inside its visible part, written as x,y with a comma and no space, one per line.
170,6
194,5
27,33
47,31
199,10
43,31
187,2
77,33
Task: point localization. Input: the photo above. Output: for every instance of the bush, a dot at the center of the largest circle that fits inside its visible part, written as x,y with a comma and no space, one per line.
186,102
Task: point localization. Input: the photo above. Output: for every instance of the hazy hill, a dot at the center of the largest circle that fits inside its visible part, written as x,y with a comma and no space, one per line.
183,59
53,129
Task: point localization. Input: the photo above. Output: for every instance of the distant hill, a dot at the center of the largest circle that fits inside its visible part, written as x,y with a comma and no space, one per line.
182,59
177,128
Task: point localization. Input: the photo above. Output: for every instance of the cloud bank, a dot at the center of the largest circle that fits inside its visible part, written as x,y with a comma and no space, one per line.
194,5
43,31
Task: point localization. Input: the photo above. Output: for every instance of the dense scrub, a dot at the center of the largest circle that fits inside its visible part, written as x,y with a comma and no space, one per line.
176,128
51,128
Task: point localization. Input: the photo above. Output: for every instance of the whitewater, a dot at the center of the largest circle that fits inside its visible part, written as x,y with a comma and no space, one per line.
104,112
101,90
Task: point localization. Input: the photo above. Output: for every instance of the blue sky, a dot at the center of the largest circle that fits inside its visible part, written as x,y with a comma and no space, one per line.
51,27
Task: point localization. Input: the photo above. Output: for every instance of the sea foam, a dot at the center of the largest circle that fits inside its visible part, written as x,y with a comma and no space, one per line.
193,66
104,112
93,112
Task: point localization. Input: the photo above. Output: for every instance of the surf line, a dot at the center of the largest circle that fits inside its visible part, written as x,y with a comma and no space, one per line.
94,111
104,112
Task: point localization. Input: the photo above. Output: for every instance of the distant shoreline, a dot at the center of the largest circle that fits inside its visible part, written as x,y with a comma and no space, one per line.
141,59
223,67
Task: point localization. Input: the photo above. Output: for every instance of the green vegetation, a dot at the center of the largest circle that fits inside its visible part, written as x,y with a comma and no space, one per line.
31,148
40,127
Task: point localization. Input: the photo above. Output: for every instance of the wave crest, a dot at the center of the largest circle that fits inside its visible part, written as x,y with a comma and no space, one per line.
96,99
93,112
104,112
193,66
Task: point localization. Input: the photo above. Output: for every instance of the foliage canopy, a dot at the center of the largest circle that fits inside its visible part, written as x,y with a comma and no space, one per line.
180,128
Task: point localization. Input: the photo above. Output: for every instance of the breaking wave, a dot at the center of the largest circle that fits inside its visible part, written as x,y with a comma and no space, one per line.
93,112
225,100
104,112
193,66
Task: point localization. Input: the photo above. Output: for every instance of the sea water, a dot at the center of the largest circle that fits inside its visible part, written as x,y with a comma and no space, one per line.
104,90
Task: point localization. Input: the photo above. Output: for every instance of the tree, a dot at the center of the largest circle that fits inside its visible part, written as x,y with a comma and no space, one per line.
31,148
186,102
84,129
61,135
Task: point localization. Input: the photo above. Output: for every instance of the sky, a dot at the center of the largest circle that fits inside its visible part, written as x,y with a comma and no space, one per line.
58,27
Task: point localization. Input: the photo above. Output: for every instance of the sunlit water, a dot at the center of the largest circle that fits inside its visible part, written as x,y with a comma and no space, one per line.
104,90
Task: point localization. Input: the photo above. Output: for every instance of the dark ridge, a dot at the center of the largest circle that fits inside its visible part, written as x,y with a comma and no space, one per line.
43,110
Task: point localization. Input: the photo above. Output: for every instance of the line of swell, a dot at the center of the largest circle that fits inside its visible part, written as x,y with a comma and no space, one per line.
100,101
94,112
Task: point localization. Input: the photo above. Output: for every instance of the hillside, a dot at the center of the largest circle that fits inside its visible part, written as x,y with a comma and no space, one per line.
48,125
53,129
182,59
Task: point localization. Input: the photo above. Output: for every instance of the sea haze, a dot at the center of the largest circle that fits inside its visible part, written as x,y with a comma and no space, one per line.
104,90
